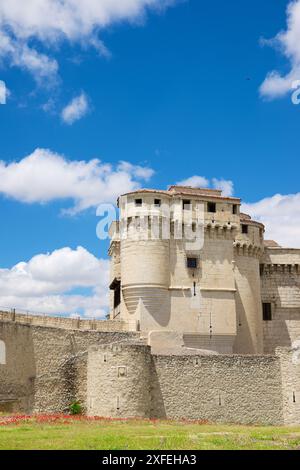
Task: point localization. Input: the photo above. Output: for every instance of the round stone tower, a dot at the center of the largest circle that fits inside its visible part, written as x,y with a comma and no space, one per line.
145,260
249,248
119,380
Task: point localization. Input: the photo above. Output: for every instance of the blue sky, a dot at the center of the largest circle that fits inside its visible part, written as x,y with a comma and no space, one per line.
177,91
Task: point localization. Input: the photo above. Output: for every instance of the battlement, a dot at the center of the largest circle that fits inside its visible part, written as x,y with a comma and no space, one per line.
63,322
174,191
194,191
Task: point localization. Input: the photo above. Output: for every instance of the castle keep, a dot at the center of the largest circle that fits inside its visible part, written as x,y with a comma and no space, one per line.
204,322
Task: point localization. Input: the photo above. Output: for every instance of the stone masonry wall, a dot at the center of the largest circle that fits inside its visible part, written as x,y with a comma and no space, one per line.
290,372
280,286
249,338
46,367
127,381
113,374
225,389
119,378
63,322
18,372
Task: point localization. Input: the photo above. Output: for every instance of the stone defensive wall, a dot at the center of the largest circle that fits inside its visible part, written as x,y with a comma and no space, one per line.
63,322
125,380
43,368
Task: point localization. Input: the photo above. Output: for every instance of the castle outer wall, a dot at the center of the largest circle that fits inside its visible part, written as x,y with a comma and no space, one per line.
45,367
113,374
127,381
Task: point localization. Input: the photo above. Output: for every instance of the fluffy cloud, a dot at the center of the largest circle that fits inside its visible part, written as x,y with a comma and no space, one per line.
76,109
281,216
226,186
195,181
288,42
48,283
47,23
46,176
137,171
3,92
201,182
19,54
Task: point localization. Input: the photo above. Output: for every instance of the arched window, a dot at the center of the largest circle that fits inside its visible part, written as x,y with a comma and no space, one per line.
2,353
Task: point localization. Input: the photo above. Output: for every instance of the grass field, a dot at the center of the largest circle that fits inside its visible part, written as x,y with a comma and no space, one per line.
59,432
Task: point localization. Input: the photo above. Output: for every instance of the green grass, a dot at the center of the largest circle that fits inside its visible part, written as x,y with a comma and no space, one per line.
137,434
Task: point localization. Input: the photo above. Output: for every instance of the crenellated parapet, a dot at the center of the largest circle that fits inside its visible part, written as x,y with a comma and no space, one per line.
219,230
244,248
269,269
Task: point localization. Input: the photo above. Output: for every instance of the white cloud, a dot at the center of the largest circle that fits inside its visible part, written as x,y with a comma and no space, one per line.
276,85
49,22
19,54
47,282
201,182
195,181
46,176
76,109
3,92
137,171
281,216
226,186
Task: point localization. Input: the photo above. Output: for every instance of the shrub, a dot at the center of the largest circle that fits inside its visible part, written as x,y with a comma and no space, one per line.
75,408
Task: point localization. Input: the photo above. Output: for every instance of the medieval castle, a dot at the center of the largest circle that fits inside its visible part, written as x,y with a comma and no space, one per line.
204,322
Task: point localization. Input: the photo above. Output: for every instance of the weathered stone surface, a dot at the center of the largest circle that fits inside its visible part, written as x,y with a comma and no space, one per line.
46,367
125,380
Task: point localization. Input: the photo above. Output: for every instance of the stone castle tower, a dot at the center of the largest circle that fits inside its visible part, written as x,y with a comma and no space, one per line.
213,290
209,291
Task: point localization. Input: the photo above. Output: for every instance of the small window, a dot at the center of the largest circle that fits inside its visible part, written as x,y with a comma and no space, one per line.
157,202
2,353
261,269
192,263
211,207
138,202
186,204
117,296
267,311
245,228
235,209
